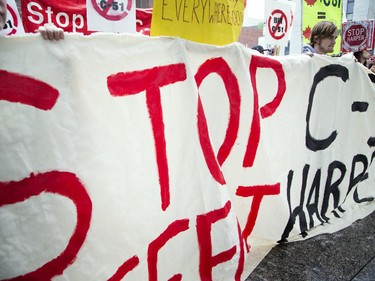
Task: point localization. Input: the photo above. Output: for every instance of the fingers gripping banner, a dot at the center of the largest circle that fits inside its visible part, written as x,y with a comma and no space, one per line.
168,160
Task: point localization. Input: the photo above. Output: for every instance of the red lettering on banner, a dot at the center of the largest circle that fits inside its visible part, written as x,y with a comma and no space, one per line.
172,230
151,80
177,277
268,109
252,146
20,88
62,183
126,267
206,260
258,192
36,93
220,67
241,260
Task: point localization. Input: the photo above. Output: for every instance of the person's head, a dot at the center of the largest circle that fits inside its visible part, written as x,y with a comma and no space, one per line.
362,56
258,48
3,13
371,64
323,37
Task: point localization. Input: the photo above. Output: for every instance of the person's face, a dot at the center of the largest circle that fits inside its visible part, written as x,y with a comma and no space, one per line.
366,54
3,13
326,45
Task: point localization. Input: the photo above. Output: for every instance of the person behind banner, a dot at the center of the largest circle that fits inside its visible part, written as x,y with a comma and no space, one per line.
371,64
322,39
47,31
259,48
363,56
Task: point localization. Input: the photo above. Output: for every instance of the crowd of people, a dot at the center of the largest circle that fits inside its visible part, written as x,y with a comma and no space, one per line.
322,39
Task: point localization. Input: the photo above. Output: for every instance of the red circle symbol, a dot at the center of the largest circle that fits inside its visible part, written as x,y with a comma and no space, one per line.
278,24
112,10
11,24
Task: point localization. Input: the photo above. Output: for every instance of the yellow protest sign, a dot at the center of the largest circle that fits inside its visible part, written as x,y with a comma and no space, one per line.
216,22
319,10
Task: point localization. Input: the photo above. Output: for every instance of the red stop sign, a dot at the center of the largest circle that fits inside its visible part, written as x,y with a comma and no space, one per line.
356,35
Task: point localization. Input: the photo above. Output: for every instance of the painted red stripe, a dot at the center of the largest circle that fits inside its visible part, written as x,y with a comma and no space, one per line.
23,89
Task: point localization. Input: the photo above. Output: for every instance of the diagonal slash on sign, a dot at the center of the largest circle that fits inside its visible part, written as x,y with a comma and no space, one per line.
273,32
105,12
15,21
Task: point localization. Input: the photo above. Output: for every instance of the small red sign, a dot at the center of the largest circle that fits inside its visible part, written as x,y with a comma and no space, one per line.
357,36
112,10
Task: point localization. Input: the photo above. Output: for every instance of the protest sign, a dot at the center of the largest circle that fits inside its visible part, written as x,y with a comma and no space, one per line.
278,17
217,22
144,17
357,36
13,24
111,15
71,16
315,11
68,15
116,163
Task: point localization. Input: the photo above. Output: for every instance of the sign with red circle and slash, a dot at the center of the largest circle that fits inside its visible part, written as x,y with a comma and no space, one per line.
278,23
111,9
13,24
111,15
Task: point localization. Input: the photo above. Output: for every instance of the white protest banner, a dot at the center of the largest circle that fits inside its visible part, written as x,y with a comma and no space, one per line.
116,163
13,25
111,15
278,15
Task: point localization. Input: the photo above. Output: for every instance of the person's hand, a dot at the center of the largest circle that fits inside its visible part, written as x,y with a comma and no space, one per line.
373,68
51,32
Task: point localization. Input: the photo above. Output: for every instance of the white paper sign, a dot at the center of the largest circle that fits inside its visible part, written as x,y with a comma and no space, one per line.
278,18
111,15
